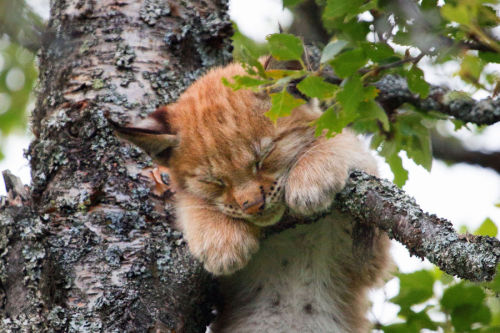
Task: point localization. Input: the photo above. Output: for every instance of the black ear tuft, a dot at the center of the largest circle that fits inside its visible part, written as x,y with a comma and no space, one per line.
153,134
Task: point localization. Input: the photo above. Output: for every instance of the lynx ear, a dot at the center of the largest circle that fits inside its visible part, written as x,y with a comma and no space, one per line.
152,134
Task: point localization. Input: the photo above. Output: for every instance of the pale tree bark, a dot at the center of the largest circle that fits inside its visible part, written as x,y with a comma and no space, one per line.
90,246
93,248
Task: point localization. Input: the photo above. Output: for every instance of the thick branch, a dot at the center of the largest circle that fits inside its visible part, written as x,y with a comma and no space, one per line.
379,202
307,23
394,92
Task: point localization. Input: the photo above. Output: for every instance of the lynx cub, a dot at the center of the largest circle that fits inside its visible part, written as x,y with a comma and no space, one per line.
236,172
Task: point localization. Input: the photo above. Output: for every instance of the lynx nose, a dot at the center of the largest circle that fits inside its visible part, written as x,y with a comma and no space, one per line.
253,207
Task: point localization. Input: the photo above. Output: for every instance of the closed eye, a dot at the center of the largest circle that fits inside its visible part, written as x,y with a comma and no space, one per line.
213,181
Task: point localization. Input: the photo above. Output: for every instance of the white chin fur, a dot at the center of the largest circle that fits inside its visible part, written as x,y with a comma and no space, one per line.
271,218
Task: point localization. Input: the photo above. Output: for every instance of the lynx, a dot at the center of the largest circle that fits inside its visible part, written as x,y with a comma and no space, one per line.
235,172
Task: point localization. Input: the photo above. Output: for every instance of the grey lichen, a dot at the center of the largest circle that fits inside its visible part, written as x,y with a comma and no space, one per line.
380,203
152,10
124,56
394,92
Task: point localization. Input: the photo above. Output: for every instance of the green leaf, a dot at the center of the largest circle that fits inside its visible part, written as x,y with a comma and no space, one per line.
371,110
414,288
349,62
390,152
413,137
419,148
462,317
459,14
495,284
285,46
377,51
332,49
402,38
462,294
396,165
487,228
351,94
291,3
471,68
417,83
421,320
429,4
489,56
401,328
355,30
316,87
333,121
248,52
243,81
337,8
282,104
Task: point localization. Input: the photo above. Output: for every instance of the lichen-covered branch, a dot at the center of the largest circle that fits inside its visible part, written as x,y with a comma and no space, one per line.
379,202
394,92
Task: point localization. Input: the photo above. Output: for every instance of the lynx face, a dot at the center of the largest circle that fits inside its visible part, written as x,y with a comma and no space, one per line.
221,148
251,189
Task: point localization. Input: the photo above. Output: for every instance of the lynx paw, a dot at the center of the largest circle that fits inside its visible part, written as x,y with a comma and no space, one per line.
307,195
225,254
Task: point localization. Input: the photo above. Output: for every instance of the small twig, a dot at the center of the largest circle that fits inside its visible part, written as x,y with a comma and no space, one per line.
378,69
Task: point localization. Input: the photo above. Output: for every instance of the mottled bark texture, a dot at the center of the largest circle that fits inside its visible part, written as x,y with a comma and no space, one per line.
373,201
394,92
93,249
90,247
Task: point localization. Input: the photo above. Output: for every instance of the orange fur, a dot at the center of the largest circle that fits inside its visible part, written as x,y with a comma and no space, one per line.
235,171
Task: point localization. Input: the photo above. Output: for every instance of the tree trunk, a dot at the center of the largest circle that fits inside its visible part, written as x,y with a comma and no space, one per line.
92,248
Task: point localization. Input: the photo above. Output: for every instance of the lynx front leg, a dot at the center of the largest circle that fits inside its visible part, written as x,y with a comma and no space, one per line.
321,171
223,244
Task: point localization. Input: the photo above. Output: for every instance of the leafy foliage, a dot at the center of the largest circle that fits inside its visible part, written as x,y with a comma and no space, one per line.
391,37
18,26
433,300
17,76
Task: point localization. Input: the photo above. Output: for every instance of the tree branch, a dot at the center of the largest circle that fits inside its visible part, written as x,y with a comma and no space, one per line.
21,24
394,92
450,149
378,202
375,201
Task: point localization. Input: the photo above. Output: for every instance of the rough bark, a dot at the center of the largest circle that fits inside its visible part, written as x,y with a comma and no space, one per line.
91,247
374,201
394,92
94,249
